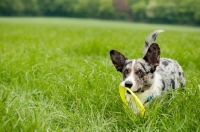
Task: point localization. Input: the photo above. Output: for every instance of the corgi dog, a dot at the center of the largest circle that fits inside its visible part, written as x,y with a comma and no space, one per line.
150,75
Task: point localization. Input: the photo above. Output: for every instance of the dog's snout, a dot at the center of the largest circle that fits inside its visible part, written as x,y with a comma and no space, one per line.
128,84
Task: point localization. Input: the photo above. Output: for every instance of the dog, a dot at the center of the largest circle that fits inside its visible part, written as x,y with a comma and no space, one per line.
150,76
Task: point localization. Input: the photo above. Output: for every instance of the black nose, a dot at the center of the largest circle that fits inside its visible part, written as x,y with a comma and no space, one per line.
128,84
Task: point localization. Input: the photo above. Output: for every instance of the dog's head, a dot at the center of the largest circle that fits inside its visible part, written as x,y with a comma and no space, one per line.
138,74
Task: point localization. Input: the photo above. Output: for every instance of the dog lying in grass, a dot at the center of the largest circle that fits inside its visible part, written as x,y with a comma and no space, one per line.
150,75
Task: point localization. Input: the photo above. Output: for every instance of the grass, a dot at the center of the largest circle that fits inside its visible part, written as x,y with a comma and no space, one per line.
55,75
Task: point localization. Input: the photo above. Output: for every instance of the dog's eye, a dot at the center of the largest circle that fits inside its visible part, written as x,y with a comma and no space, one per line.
148,72
126,72
140,73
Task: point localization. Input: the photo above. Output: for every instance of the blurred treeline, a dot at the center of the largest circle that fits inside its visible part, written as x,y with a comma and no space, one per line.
157,11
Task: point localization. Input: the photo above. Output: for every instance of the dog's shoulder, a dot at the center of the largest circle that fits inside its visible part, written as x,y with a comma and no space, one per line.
171,73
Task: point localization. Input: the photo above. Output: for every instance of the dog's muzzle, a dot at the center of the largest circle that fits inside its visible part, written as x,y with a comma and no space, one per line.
128,84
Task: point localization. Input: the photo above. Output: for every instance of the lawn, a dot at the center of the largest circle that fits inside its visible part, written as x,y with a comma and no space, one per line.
56,75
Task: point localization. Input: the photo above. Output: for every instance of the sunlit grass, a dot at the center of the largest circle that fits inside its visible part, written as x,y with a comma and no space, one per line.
55,75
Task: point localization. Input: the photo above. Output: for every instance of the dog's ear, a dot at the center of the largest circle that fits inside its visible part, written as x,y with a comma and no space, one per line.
153,56
118,59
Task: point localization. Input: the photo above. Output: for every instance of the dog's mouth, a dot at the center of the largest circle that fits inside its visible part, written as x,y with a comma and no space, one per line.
138,91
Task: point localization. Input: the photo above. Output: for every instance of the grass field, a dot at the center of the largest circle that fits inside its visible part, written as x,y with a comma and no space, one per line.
56,75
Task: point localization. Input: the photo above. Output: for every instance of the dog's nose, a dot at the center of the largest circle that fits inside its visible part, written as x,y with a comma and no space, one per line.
128,84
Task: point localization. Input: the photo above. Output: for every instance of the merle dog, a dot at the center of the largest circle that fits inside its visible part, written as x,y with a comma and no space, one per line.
149,76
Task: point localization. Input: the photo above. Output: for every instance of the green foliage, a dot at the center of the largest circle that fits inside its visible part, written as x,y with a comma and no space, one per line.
56,75
178,11
138,10
106,9
156,11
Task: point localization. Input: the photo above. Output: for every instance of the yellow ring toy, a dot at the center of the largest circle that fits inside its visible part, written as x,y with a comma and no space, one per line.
122,91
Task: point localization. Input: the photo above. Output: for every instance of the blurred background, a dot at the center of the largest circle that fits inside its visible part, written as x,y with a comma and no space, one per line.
184,12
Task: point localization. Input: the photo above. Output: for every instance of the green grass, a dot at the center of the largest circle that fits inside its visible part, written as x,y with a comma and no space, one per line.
55,75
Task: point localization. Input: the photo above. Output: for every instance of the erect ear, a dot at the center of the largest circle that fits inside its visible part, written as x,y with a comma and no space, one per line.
153,56
118,59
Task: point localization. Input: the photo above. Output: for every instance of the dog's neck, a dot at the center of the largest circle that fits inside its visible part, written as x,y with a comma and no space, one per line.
149,99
